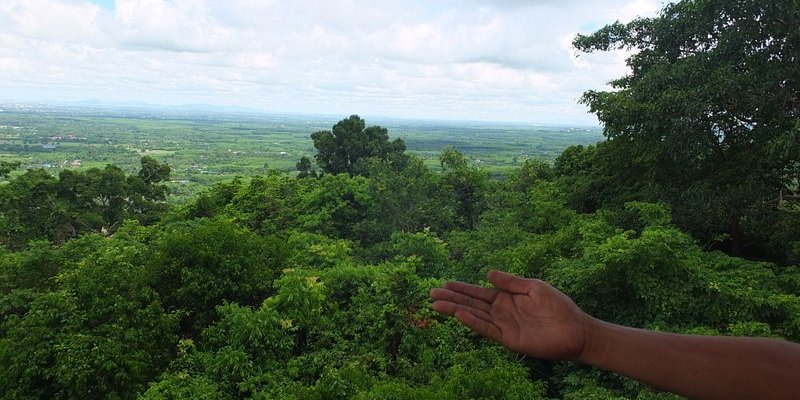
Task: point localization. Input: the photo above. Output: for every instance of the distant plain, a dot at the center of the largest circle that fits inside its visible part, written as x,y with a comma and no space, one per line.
204,147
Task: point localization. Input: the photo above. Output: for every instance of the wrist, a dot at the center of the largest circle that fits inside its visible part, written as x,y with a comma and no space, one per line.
595,340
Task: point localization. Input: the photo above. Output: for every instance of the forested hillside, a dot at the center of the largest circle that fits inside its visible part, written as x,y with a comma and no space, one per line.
314,285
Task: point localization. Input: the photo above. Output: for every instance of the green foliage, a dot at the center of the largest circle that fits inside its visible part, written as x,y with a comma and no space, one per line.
267,204
99,332
279,290
36,205
408,200
530,172
467,182
299,298
311,250
198,265
209,203
182,386
272,287
574,161
204,149
350,143
711,98
335,205
304,168
6,167
423,248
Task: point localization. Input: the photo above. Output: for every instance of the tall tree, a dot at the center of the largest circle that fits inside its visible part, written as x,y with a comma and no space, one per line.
304,168
146,190
468,183
408,200
350,142
710,112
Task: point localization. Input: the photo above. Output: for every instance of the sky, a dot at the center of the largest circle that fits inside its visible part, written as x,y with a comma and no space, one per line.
502,60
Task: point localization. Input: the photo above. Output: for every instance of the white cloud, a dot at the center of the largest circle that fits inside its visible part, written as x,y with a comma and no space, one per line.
506,60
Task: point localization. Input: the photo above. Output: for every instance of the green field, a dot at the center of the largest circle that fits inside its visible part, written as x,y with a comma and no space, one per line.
203,148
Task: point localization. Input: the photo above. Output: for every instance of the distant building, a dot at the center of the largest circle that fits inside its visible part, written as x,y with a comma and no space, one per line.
49,147
75,163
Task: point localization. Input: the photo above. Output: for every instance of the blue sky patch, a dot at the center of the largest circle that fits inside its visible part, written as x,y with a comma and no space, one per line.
109,4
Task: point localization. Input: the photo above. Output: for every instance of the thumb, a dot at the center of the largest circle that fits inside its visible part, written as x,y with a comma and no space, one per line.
508,282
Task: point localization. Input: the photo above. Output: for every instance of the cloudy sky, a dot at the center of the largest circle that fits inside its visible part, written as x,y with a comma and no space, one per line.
503,60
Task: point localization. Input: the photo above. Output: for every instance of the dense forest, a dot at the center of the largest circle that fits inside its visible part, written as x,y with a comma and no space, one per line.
314,285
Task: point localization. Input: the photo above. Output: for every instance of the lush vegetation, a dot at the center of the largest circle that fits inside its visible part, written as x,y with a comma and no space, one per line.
314,285
708,119
204,148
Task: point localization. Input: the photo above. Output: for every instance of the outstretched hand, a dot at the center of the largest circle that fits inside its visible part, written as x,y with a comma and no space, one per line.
529,316
525,315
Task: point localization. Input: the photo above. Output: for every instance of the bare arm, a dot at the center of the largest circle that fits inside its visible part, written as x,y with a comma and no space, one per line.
531,317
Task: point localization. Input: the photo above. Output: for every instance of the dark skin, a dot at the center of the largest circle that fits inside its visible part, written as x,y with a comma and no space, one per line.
531,317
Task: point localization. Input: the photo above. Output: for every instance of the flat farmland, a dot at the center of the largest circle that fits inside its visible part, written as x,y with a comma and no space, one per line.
206,147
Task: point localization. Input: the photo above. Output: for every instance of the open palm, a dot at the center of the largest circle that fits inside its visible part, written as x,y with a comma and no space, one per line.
525,315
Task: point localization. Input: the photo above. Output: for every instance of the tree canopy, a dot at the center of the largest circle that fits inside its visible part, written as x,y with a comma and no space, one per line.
709,117
350,142
7,166
315,286
37,205
288,288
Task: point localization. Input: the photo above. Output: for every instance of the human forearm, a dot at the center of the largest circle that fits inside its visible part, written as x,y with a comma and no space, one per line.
699,367
531,317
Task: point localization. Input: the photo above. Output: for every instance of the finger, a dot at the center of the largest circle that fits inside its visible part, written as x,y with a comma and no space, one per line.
449,295
478,292
450,308
508,282
444,307
483,328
